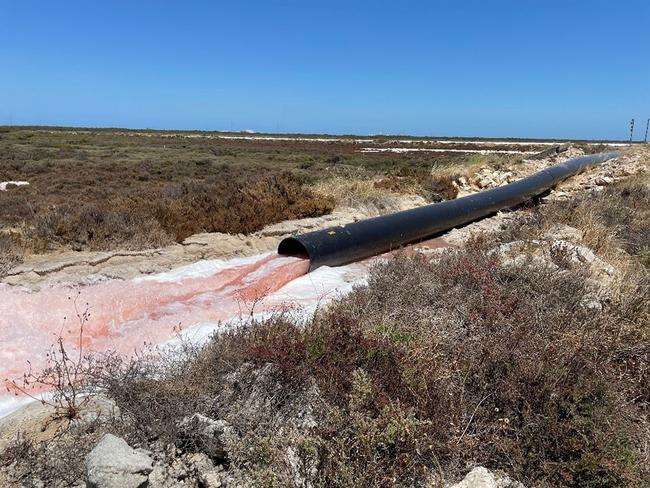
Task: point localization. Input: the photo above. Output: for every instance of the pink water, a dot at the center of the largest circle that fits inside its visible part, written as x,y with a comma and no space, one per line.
124,316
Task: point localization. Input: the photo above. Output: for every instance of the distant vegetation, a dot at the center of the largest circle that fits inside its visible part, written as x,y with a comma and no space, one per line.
103,189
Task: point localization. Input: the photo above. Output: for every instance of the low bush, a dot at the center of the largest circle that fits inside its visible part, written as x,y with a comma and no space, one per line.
433,186
95,228
58,463
178,211
437,188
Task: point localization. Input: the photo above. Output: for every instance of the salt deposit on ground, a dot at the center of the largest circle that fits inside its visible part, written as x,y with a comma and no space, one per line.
514,143
426,149
133,315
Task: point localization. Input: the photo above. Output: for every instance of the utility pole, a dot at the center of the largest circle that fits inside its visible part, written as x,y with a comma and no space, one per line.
647,124
631,129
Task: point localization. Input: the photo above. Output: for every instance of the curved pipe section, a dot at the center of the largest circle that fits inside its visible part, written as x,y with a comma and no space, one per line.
348,243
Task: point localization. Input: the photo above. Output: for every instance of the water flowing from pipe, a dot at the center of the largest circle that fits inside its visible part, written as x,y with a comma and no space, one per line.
126,316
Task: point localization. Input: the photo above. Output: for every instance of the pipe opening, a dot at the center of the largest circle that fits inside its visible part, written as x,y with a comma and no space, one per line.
293,247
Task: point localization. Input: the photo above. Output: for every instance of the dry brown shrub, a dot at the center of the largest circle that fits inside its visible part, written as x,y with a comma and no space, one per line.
158,218
96,228
394,184
57,463
433,184
508,365
234,209
437,188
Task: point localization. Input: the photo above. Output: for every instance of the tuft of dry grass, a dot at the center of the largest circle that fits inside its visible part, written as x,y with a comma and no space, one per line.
11,252
356,191
613,220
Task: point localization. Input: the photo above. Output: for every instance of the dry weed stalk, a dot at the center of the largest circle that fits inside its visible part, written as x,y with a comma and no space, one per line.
65,374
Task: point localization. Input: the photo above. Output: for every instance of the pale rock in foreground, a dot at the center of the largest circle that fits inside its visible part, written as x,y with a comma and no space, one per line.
481,477
114,464
206,434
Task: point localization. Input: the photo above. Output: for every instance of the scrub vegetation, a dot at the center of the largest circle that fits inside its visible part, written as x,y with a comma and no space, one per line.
440,363
119,189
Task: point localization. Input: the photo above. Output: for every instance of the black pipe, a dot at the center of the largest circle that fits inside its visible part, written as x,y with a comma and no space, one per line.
348,243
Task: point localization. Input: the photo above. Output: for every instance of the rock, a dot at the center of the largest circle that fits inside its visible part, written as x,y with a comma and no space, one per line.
581,255
592,303
558,195
212,479
205,435
564,233
190,470
158,478
480,477
205,471
507,176
529,260
114,464
604,180
485,183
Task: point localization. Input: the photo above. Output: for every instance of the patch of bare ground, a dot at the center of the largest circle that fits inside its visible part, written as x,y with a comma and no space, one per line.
524,349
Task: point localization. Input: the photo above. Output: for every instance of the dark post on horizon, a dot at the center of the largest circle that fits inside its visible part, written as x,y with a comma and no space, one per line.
631,129
647,124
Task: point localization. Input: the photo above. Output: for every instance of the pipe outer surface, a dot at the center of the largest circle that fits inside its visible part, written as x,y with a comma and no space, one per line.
344,244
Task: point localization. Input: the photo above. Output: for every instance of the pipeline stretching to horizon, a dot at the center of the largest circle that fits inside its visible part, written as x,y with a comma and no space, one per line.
349,243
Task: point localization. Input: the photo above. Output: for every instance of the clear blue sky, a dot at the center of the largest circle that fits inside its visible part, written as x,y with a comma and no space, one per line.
546,68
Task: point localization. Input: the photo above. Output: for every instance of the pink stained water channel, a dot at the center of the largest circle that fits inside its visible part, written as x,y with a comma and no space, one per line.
124,316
